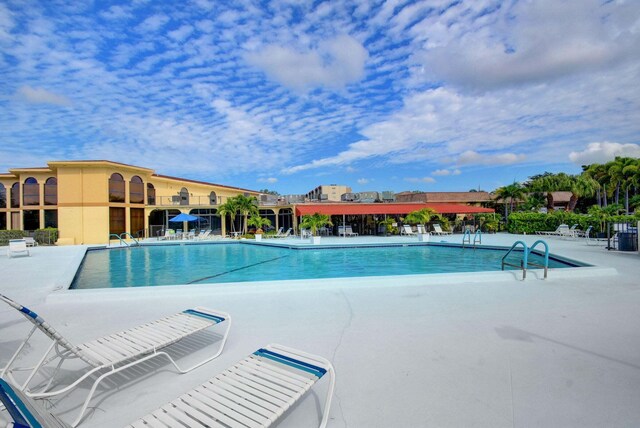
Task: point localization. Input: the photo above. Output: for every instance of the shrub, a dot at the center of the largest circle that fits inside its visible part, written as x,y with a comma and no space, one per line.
47,236
5,235
527,222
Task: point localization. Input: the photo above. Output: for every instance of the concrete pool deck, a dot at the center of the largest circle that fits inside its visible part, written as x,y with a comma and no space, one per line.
426,350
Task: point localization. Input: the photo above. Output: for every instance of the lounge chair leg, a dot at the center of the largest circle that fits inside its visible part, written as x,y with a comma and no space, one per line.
37,367
15,355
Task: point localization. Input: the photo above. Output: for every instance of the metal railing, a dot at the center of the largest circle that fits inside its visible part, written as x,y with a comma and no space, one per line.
524,262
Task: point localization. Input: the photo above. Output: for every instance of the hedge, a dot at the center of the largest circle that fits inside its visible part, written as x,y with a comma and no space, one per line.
528,222
5,235
47,236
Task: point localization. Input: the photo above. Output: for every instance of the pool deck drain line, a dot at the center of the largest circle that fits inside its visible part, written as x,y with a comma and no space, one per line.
236,269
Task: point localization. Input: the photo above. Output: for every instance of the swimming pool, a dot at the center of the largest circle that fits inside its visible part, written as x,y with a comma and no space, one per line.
237,262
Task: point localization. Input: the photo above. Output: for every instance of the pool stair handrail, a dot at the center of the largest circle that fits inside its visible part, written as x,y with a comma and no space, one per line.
526,251
477,238
130,236
544,266
256,391
113,353
113,237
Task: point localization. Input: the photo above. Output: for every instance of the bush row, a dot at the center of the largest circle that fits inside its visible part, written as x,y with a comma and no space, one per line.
5,235
527,222
47,236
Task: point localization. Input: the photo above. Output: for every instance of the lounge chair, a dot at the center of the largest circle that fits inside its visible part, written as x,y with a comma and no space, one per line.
421,229
30,242
348,231
111,354
204,234
406,230
254,392
284,235
560,230
17,247
437,230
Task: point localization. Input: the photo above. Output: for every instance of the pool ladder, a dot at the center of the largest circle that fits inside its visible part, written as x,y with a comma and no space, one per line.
526,252
122,241
477,238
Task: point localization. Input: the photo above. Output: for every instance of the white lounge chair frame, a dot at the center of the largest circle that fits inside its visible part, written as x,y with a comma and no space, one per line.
560,230
116,352
437,230
254,392
406,230
17,247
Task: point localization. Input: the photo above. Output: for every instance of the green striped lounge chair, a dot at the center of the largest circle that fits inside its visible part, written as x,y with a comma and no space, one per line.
255,392
111,354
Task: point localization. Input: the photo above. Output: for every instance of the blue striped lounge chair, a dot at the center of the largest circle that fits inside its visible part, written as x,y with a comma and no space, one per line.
255,392
111,354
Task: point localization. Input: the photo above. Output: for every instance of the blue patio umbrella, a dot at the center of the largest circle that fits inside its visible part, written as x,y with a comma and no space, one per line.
184,217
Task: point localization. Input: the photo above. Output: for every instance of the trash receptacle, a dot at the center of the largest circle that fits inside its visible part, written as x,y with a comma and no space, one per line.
627,241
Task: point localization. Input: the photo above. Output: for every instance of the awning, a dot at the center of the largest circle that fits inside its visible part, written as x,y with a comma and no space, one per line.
386,208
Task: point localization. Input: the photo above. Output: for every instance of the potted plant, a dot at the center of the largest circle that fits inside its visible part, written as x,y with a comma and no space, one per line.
390,225
258,222
421,217
314,222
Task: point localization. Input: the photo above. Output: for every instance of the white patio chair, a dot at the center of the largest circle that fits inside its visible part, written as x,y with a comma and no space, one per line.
255,392
113,353
17,247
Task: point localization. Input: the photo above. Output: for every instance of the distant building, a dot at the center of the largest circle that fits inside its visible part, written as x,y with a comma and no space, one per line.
328,192
91,201
469,198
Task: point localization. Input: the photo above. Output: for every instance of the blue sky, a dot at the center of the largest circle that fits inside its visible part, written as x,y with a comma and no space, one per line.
286,95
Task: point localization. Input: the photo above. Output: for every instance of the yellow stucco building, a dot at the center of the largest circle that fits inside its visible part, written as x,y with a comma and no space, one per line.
90,200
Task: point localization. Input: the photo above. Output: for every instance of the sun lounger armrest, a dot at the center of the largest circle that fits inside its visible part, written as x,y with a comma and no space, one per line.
200,311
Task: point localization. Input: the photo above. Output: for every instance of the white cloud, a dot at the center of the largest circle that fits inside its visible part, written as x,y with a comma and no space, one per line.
41,96
534,42
471,157
269,180
181,33
420,179
363,181
334,64
604,152
446,172
153,23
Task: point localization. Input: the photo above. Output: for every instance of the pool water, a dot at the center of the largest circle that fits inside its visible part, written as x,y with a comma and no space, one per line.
234,262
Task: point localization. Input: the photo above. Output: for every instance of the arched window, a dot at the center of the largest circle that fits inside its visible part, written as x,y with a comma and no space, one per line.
15,195
184,196
3,197
51,191
151,194
30,192
213,199
116,188
136,190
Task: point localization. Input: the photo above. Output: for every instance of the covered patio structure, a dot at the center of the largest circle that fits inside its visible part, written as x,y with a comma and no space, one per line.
365,219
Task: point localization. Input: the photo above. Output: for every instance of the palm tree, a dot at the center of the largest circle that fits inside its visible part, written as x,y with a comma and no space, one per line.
511,192
246,206
580,186
550,183
258,222
314,222
229,208
422,216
